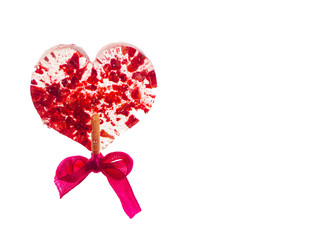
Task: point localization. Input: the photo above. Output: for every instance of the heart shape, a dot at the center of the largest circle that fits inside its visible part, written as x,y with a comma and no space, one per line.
67,89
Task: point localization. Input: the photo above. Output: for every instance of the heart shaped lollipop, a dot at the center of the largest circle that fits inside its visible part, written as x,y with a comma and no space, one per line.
67,89
92,103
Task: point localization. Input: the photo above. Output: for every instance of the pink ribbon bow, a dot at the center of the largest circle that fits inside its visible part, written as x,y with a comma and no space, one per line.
115,166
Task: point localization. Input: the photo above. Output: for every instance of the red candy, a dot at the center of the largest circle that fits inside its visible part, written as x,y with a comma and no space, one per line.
67,89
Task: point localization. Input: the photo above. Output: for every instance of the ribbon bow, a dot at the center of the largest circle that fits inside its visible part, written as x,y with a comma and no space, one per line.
115,166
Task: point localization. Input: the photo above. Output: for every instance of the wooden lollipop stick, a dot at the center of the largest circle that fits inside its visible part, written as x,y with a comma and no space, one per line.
95,134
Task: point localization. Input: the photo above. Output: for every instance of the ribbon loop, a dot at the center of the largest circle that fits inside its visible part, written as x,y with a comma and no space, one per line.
115,166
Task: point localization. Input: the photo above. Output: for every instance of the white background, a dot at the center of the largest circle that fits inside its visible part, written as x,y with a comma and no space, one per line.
230,149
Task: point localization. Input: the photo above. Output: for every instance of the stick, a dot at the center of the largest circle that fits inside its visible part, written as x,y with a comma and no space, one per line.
95,134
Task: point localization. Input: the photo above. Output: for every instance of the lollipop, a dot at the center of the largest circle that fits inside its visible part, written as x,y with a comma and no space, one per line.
93,103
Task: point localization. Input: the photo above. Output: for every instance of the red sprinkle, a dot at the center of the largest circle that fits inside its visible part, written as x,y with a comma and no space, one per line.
136,62
103,133
152,79
125,108
140,76
135,94
115,64
128,50
113,76
93,77
34,82
132,121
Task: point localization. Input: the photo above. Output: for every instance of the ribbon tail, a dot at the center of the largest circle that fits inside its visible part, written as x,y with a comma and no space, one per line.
124,192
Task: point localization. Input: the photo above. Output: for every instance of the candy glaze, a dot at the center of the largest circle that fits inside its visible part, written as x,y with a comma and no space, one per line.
67,89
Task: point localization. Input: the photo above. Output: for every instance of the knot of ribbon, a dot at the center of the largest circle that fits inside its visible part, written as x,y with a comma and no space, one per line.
115,166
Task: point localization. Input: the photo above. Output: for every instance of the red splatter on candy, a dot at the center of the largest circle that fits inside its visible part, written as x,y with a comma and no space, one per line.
67,89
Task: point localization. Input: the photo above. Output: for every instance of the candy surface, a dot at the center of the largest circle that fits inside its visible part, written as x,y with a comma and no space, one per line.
67,89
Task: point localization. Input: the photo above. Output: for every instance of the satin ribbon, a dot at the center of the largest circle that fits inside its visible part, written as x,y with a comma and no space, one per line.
115,166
